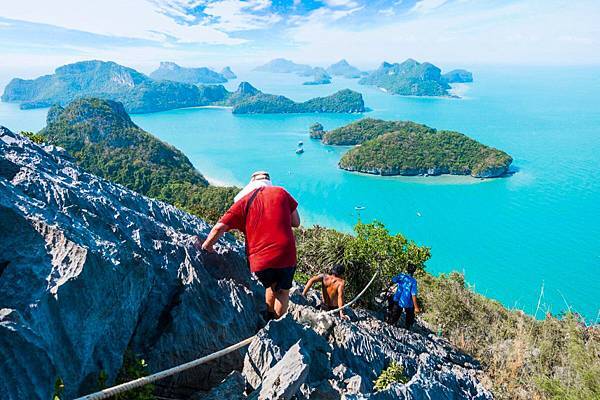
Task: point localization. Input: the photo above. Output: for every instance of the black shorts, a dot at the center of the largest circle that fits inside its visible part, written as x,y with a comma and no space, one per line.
280,277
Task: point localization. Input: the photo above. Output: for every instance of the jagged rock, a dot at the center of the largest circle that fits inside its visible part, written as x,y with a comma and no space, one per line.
351,355
231,388
285,378
89,269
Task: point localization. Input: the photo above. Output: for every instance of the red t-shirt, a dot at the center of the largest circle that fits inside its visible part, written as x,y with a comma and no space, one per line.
268,227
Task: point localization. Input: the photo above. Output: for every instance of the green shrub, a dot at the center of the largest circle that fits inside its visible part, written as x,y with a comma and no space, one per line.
371,249
34,137
134,368
394,373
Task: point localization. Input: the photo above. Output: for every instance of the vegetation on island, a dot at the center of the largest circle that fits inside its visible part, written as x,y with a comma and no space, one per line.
320,77
344,101
316,131
522,357
141,94
458,76
343,68
102,138
408,148
173,72
411,78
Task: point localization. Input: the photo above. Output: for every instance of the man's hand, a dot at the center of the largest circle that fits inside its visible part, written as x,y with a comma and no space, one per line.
344,316
208,247
417,310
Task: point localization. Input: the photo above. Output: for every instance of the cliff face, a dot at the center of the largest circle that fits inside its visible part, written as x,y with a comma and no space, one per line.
89,269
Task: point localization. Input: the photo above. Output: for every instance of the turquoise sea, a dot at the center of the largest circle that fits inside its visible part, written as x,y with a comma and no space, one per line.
510,236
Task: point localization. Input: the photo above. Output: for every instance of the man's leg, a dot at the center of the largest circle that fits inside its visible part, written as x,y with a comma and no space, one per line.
393,313
410,316
270,298
282,298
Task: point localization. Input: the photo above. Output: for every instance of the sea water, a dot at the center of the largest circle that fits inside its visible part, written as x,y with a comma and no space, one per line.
509,236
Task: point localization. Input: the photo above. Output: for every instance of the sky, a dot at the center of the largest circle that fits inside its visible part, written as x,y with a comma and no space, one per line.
39,35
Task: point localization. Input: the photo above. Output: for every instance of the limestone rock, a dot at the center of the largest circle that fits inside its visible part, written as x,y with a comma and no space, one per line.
89,269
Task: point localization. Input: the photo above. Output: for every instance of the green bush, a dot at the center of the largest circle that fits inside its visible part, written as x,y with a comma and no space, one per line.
134,368
34,137
371,249
394,373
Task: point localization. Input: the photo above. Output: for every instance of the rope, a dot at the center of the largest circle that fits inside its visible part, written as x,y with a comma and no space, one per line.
123,387
356,298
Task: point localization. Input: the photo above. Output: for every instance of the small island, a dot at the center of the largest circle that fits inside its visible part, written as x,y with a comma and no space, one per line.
249,100
320,77
407,148
284,66
343,68
228,73
458,76
172,72
141,94
411,78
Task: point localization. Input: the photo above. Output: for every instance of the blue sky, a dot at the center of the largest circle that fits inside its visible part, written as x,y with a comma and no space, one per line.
44,34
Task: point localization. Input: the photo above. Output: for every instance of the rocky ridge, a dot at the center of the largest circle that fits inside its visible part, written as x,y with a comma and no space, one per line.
90,270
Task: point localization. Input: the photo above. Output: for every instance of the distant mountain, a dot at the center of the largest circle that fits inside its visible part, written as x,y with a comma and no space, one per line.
281,65
86,78
408,148
409,78
173,72
320,77
141,94
343,68
256,102
458,76
228,73
108,80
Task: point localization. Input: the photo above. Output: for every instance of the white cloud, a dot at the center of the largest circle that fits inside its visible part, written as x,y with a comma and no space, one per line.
341,3
425,6
235,15
388,12
519,33
139,19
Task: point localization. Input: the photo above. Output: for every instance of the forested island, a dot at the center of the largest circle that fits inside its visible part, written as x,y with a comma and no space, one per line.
141,94
249,100
320,77
407,148
343,68
411,78
104,141
172,72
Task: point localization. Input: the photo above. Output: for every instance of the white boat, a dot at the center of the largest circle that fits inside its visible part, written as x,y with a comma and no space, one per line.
300,143
299,151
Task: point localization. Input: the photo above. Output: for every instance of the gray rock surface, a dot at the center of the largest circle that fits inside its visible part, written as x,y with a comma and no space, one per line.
346,357
89,269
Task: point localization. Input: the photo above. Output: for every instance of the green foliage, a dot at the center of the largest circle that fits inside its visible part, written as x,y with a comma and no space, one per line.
394,373
344,101
104,141
134,368
316,131
372,248
523,358
34,137
59,387
408,148
409,78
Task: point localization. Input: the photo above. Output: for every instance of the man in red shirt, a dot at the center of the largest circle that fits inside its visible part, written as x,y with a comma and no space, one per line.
266,215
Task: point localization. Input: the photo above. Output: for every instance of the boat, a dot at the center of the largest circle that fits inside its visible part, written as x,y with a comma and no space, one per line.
299,151
300,143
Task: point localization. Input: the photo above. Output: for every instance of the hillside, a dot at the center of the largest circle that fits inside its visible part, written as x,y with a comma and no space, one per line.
458,76
284,66
320,77
105,142
141,94
256,102
343,68
228,73
112,273
173,72
409,78
408,148
108,80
